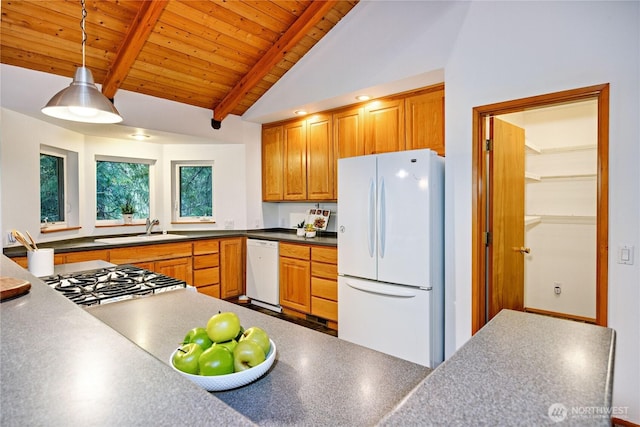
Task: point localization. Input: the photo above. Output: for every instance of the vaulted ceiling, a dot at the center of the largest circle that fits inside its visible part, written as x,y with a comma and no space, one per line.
220,55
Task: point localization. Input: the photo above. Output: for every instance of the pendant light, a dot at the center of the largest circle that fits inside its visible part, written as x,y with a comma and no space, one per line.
82,101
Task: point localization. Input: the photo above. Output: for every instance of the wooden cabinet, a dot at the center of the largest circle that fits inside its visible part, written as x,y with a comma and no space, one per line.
324,284
272,163
384,126
295,160
424,118
348,132
320,158
232,262
295,277
172,259
206,267
309,281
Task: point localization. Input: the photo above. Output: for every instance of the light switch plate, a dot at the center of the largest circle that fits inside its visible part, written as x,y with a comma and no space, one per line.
625,254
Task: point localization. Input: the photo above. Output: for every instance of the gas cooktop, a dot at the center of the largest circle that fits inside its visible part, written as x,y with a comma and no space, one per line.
111,284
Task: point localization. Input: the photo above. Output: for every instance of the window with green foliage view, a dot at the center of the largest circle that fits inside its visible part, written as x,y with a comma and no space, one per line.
51,188
196,191
118,182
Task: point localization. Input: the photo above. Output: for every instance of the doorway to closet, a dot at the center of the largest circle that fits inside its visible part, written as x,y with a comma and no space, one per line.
540,169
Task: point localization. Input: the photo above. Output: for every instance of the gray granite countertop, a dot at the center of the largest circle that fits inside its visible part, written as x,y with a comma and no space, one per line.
63,367
316,379
89,243
521,369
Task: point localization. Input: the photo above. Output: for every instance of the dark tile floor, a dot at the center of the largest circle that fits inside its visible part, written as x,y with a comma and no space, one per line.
302,322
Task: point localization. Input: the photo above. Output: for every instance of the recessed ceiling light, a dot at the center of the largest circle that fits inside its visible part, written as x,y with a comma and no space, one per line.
139,136
363,97
300,112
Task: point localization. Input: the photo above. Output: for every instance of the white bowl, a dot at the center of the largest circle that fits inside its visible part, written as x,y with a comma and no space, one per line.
229,381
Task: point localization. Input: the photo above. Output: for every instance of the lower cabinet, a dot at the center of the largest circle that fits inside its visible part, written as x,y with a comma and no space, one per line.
308,281
171,259
232,271
218,267
206,267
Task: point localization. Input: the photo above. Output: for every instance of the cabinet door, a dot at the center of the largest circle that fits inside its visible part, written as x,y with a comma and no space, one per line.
295,284
348,132
295,160
272,163
231,267
384,126
179,268
320,159
425,121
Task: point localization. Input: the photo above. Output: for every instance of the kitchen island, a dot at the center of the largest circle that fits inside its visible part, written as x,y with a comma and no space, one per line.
62,365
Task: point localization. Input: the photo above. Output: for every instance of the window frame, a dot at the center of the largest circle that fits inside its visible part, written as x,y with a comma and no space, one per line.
62,204
176,194
117,159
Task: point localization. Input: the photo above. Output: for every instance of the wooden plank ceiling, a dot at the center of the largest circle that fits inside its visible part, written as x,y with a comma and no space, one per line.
220,55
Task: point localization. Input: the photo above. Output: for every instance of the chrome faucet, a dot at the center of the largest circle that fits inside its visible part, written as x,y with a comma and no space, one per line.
150,224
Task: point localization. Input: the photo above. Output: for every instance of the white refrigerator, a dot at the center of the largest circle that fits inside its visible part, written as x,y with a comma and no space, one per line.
390,254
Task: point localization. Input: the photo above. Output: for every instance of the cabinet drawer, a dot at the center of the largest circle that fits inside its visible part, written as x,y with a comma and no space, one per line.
295,251
211,290
206,247
149,253
328,271
205,261
207,276
324,288
324,308
87,256
322,254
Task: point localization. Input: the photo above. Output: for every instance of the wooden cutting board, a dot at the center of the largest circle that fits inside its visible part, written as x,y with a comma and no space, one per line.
11,287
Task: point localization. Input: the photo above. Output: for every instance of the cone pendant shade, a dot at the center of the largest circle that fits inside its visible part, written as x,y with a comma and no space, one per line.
82,102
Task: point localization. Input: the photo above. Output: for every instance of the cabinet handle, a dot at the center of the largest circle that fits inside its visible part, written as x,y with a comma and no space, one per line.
522,250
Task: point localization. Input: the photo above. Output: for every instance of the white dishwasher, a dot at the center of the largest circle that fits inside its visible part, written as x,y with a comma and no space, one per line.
263,287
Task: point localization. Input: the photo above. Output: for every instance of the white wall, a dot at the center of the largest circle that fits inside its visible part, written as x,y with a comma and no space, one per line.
495,51
21,171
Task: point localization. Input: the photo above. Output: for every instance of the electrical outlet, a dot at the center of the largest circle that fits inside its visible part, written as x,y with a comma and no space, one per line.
10,237
557,289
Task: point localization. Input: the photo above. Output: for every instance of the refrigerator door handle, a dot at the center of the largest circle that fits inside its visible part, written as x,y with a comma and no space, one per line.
382,290
382,219
371,217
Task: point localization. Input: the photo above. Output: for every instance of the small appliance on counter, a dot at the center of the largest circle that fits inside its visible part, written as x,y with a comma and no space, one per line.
111,284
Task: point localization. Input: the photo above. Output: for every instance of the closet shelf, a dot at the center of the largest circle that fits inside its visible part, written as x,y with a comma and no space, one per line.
559,219
536,178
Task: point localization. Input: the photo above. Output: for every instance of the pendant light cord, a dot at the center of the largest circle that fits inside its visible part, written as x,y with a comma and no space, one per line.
84,33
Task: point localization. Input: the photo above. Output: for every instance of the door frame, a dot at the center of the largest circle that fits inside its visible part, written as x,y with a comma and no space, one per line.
480,199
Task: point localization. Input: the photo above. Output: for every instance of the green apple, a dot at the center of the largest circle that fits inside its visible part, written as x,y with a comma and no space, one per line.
237,338
231,344
259,336
246,355
185,359
198,336
223,327
216,360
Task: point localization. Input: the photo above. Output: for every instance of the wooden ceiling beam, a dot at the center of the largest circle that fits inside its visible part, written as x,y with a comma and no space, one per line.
141,28
307,20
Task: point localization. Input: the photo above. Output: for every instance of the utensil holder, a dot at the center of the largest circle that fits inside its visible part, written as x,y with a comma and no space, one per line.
40,262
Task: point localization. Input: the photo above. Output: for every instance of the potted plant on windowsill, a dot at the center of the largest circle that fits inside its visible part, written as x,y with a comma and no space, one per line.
127,211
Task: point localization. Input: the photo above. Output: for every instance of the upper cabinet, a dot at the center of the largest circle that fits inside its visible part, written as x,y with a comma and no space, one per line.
299,157
384,126
424,114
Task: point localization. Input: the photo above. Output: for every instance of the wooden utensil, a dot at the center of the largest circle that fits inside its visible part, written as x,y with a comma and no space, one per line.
11,287
33,242
21,239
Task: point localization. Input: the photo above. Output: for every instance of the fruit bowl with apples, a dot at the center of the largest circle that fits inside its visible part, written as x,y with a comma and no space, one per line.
224,355
234,380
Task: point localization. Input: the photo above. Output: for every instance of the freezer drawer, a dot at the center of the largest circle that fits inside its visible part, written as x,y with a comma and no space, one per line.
392,319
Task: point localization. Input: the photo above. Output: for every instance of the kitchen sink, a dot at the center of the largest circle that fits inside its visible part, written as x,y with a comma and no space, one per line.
140,238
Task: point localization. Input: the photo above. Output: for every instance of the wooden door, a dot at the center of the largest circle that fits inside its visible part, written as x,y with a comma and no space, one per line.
272,163
348,132
384,126
506,217
295,160
231,267
295,284
179,268
320,159
425,121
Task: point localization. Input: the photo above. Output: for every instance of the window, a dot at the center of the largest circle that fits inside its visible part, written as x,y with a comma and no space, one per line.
52,188
193,191
119,181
